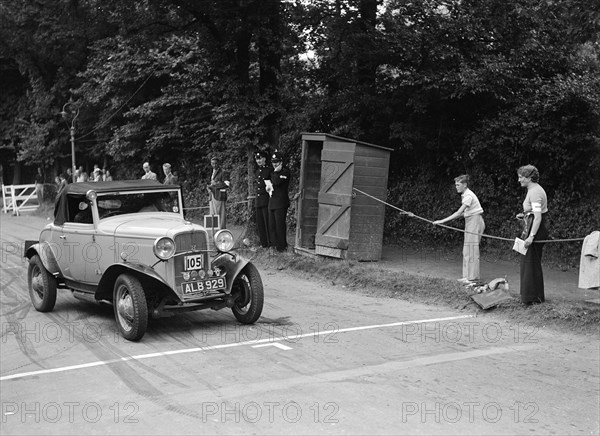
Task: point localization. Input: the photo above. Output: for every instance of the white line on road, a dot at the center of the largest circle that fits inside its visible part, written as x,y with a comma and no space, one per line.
218,347
275,344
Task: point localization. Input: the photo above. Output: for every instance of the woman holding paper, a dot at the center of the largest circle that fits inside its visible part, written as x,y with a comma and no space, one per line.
536,202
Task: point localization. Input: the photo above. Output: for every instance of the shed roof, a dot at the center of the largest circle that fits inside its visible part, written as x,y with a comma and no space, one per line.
317,136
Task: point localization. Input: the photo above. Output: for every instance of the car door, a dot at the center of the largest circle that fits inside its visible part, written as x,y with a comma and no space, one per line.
75,243
81,253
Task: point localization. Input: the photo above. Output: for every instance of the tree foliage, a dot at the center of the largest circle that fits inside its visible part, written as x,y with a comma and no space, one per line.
451,86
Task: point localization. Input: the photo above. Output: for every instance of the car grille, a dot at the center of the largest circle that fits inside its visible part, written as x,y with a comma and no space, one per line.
193,241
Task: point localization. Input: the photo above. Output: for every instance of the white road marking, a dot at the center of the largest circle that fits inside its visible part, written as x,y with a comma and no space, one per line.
275,344
218,347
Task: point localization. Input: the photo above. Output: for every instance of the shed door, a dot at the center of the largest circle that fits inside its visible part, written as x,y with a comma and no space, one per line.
335,198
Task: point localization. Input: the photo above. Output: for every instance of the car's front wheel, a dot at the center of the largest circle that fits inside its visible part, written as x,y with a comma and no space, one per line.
131,310
249,293
42,285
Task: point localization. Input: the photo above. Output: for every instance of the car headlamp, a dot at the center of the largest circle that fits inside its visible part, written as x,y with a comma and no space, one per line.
223,240
91,195
164,248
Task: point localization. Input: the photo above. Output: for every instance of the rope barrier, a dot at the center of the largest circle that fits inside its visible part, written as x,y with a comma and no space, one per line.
207,207
456,229
194,208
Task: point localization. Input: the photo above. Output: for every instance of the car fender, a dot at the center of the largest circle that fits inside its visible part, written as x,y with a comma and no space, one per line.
232,264
44,250
144,272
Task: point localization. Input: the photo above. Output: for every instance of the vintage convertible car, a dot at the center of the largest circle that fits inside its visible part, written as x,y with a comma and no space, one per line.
127,242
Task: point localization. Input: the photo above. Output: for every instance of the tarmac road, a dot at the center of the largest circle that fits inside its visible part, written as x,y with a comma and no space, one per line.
321,360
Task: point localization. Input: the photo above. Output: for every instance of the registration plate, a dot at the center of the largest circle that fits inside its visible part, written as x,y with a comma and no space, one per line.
193,262
203,287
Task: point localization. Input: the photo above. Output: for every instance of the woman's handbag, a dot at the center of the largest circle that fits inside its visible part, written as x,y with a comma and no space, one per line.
527,219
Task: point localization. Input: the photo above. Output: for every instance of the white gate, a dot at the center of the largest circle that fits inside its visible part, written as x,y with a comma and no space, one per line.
19,198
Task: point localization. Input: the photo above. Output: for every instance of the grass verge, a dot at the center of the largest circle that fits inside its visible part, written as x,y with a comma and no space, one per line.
370,279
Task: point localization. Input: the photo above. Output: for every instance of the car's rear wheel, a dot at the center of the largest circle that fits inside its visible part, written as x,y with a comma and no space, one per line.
249,293
131,310
42,285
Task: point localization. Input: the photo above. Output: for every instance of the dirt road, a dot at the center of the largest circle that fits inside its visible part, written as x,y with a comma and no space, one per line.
321,360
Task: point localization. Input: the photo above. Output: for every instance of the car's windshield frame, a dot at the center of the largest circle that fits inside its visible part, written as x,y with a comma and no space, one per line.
140,201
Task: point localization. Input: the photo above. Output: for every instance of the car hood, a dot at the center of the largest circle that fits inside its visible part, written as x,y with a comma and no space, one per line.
147,226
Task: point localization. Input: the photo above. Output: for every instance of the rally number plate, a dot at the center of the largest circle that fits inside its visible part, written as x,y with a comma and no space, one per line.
194,262
203,287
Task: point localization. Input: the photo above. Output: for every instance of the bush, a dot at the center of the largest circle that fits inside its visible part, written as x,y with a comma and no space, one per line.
569,217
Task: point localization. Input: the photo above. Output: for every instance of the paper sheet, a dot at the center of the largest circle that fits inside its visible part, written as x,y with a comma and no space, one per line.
269,187
520,246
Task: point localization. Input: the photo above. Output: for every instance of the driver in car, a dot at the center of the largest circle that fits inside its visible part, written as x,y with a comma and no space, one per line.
84,215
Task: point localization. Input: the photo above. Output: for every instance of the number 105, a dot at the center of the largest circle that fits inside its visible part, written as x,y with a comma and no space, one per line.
193,262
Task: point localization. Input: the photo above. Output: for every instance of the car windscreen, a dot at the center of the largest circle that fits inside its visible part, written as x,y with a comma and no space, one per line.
139,202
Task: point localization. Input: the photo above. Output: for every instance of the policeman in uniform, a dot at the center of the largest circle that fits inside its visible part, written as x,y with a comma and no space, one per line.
279,202
262,197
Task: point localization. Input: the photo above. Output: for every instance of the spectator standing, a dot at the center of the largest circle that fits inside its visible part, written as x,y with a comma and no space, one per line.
148,174
39,186
97,175
62,184
261,204
82,177
472,211
170,178
536,203
219,184
107,176
279,202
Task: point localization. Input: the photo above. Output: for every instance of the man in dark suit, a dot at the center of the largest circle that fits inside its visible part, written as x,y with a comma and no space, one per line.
279,202
263,177
219,184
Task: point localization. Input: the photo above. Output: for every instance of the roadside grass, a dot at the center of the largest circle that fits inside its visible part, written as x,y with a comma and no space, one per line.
369,279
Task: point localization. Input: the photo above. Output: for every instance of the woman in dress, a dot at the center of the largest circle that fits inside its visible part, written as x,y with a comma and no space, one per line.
536,203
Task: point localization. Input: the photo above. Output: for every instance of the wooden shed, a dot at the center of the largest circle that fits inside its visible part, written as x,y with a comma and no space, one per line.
332,218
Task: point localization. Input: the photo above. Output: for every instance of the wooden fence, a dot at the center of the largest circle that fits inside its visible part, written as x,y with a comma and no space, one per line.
19,198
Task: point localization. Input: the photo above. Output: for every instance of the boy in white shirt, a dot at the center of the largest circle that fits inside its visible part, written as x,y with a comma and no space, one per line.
471,209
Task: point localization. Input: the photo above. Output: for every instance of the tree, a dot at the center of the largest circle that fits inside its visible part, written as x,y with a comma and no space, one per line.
449,85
